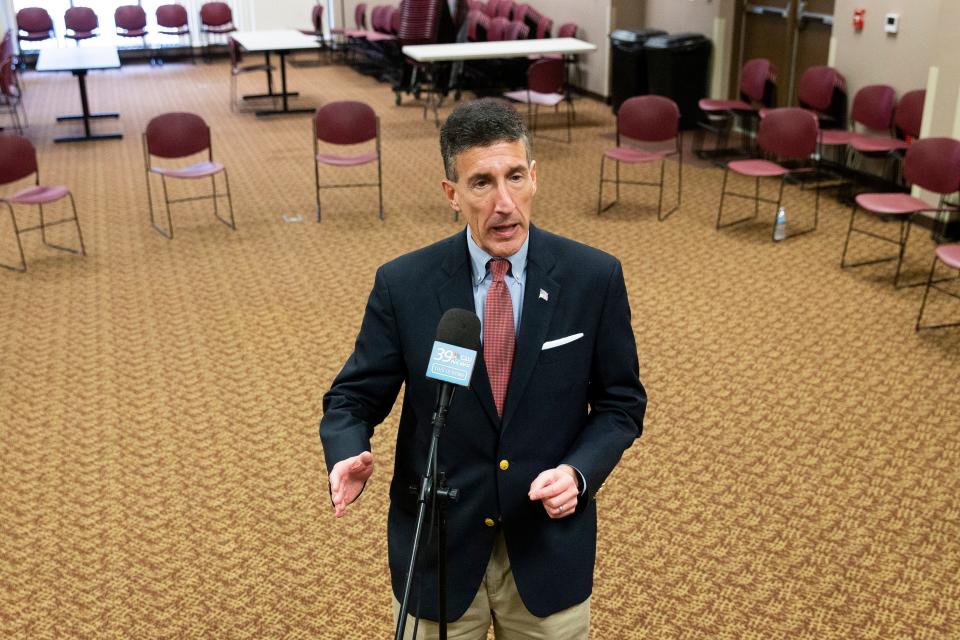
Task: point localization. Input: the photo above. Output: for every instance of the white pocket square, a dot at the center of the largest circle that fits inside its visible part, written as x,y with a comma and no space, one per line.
559,342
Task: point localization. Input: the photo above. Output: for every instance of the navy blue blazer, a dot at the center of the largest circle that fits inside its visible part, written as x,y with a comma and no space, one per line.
580,404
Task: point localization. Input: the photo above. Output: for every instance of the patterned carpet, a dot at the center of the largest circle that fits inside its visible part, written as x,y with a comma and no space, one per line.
162,476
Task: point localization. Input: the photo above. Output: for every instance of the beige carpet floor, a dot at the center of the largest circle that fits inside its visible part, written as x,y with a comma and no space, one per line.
160,468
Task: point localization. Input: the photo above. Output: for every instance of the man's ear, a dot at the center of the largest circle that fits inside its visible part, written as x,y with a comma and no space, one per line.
450,191
533,175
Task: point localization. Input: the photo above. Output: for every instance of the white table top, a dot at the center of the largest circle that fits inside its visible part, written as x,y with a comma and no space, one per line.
499,49
275,40
78,59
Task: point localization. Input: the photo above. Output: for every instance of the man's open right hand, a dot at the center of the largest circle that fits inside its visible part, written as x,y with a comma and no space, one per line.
347,479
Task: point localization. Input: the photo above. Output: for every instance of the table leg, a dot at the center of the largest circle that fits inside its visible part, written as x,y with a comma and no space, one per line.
284,93
86,116
270,92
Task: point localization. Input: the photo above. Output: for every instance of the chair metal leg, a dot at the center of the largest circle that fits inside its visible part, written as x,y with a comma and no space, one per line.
600,189
16,234
316,183
904,237
756,198
723,193
380,185
168,234
76,221
232,223
926,292
846,243
663,166
618,181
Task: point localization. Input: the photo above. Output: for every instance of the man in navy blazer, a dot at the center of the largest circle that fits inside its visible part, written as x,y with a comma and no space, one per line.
526,520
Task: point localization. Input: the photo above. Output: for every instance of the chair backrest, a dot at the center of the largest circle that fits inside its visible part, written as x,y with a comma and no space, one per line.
909,115
216,14
172,16
34,20
544,25
130,17
80,19
647,118
316,17
477,20
176,135
505,9
345,122
567,30
754,76
491,8
18,158
546,76
789,133
933,164
6,47
360,15
516,31
520,12
817,85
873,107
497,29
8,84
394,23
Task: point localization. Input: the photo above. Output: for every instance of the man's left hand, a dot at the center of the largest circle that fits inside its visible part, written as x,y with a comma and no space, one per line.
557,490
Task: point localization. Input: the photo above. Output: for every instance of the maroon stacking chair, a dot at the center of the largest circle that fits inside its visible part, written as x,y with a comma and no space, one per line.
34,24
81,23
175,136
873,108
172,20
520,12
491,8
346,123
758,78
316,22
544,25
216,19
237,69
822,90
949,255
10,96
646,119
567,30
516,31
932,164
545,88
8,57
359,21
18,160
788,134
497,29
907,120
131,22
505,9
477,25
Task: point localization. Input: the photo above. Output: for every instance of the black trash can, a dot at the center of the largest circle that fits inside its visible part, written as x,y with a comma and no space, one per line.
628,64
678,67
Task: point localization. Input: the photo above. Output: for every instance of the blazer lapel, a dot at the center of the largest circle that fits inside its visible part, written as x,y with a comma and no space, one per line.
457,293
535,319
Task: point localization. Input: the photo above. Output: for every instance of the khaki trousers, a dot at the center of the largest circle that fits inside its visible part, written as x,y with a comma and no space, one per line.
498,603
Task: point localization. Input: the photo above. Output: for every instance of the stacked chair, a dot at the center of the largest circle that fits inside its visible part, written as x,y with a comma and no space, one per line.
758,90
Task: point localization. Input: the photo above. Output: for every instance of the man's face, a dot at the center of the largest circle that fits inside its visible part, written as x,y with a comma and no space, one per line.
494,192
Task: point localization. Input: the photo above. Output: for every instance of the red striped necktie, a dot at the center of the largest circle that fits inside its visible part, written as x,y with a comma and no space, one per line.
498,332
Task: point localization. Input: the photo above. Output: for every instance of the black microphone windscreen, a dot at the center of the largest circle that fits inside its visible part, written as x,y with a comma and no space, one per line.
461,328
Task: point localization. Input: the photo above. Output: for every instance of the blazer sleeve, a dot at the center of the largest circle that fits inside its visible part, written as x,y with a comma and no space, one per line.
616,396
364,391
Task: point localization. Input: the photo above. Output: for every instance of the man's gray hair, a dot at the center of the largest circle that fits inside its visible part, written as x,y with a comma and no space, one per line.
480,123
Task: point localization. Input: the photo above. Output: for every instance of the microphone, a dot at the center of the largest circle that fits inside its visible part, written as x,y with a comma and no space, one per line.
454,354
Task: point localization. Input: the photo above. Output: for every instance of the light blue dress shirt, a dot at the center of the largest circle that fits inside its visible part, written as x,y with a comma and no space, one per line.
482,278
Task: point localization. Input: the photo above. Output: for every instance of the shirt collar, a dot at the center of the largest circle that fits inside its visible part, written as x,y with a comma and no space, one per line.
479,259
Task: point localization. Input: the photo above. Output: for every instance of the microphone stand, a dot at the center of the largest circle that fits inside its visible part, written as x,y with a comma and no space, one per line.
434,493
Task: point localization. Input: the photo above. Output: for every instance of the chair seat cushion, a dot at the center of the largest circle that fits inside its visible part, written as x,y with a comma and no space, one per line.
535,97
836,137
376,36
635,156
757,168
877,144
39,195
81,35
949,255
228,28
708,104
181,31
36,36
892,203
134,33
346,161
355,33
198,170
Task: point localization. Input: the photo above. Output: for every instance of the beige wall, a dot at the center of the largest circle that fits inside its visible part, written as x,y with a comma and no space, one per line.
873,57
678,16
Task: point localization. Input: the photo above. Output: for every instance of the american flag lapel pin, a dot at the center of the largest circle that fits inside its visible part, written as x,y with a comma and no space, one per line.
544,296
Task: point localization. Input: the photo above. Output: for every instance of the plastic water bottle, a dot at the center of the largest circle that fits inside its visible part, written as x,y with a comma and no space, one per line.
780,226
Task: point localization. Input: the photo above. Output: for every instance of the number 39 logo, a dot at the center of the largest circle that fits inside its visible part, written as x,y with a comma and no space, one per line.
445,355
